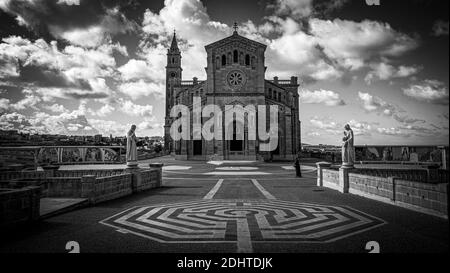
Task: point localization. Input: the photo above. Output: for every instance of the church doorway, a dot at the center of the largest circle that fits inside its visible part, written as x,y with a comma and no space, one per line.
235,146
197,147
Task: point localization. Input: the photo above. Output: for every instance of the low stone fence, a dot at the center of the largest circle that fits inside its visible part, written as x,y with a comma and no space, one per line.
95,185
430,198
80,173
19,205
105,188
428,175
11,175
331,178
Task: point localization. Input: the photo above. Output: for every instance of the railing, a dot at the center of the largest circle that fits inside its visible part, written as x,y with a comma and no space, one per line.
190,83
418,175
34,156
283,82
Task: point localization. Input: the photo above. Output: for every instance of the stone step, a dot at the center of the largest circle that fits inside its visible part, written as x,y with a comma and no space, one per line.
55,206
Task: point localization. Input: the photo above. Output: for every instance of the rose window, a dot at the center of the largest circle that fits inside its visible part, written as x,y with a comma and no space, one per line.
236,79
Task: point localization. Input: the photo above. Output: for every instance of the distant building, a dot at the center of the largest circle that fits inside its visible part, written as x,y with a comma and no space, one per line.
235,76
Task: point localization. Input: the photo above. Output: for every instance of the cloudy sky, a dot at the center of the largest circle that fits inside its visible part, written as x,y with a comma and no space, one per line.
84,67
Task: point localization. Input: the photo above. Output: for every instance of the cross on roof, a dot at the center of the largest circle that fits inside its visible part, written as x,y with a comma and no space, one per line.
235,26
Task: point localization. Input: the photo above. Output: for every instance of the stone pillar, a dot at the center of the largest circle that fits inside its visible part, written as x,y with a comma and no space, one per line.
136,178
433,173
88,188
158,168
320,167
391,181
343,179
444,158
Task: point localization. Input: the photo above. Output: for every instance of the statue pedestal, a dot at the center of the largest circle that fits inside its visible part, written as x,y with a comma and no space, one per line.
132,165
347,165
135,171
343,177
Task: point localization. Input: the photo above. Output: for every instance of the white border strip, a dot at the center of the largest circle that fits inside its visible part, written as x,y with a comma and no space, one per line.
263,190
213,191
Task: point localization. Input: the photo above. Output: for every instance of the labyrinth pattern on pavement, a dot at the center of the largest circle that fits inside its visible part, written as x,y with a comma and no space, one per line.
242,221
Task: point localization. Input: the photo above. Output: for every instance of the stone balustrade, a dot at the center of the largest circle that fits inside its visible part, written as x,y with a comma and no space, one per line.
430,197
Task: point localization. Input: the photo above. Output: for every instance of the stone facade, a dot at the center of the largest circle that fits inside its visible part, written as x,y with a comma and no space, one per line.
235,76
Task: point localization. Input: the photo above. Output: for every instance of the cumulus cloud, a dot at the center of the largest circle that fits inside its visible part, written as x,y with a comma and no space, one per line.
440,28
107,127
294,8
137,110
431,91
87,23
71,72
64,123
4,104
329,98
392,132
353,44
327,126
137,69
377,105
141,88
384,71
69,2
372,103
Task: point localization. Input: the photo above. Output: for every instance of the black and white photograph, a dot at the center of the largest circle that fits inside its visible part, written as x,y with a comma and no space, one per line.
251,128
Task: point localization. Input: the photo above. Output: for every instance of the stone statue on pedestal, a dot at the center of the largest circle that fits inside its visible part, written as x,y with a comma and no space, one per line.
348,148
131,147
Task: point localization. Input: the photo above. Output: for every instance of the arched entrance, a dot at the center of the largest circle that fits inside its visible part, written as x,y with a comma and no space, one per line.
235,147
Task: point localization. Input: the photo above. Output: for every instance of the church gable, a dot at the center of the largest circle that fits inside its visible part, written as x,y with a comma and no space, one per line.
236,40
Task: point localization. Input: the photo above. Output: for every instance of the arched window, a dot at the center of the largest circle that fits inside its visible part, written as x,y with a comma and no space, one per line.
224,60
253,62
217,62
247,59
270,92
235,56
173,60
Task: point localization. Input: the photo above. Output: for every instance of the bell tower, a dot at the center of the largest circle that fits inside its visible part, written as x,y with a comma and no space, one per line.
173,80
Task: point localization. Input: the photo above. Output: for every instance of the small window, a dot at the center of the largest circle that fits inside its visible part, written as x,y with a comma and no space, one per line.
247,59
173,60
224,60
235,56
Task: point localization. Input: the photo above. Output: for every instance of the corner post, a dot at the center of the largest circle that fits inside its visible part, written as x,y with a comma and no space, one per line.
320,167
158,168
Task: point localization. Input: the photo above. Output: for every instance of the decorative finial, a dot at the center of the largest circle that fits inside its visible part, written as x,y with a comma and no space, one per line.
235,26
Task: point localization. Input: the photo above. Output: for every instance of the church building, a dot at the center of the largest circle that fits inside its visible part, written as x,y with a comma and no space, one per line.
235,75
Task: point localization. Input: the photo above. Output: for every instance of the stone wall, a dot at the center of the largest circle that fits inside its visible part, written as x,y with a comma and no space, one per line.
19,205
150,179
80,173
380,187
430,198
95,185
11,175
67,187
106,188
330,178
424,197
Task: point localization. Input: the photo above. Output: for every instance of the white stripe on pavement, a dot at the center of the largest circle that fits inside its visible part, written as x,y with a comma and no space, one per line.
262,190
212,192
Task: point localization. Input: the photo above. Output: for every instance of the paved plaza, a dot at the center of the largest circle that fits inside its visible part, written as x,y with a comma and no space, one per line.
234,206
